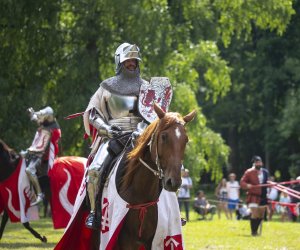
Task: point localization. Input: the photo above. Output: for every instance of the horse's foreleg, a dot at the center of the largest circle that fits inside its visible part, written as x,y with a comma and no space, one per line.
3,223
45,203
34,233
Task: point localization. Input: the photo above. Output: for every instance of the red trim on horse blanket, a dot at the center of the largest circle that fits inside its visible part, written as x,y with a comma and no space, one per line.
65,179
14,196
9,191
78,236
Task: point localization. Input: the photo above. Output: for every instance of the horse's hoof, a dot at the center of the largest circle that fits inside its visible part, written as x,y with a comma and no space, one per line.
44,239
183,222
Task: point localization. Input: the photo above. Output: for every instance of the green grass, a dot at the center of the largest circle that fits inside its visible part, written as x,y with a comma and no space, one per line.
233,234
215,234
16,236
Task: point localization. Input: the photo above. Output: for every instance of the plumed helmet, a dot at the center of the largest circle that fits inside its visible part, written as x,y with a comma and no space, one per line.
41,116
256,158
125,52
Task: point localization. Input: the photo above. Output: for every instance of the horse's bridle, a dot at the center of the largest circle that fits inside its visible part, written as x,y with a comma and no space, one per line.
159,172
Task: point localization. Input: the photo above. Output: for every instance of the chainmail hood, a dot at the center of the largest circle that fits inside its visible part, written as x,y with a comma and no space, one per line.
126,82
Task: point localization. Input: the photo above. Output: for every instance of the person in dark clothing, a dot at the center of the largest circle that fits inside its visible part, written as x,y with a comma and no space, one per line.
256,195
203,207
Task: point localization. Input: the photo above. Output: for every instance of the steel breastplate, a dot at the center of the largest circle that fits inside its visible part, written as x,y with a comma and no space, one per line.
121,106
123,112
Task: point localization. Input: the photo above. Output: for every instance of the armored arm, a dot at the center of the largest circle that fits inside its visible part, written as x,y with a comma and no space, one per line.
103,128
41,116
141,126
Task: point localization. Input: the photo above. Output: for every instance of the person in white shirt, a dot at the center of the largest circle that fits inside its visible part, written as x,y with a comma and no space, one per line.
184,192
283,210
243,212
233,194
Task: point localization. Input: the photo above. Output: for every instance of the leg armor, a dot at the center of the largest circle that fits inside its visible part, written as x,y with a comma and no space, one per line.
96,169
94,172
34,162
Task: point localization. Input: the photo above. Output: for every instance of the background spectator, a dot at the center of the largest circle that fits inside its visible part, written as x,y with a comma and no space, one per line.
184,192
243,212
233,192
221,194
283,210
203,207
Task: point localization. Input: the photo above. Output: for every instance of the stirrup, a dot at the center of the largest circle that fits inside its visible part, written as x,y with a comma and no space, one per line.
183,222
91,221
38,200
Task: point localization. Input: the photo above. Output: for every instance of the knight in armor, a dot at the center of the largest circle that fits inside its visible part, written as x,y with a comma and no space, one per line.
112,112
44,147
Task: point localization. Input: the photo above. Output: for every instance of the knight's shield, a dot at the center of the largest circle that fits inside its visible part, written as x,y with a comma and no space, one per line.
40,141
159,91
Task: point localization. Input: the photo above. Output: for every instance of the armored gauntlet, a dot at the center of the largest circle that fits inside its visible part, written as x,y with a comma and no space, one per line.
103,128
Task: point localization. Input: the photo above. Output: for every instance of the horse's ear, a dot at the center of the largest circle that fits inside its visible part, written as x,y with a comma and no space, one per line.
160,113
190,116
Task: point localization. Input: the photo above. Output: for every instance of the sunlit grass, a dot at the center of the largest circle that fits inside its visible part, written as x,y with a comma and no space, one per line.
215,234
17,237
233,234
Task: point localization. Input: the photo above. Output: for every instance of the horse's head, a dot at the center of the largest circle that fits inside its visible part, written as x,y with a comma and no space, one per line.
8,160
169,144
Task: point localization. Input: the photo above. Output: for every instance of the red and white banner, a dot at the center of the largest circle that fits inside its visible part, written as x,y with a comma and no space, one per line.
65,178
53,147
15,196
77,236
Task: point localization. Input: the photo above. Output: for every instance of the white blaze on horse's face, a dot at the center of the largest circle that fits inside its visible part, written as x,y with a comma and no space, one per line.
177,133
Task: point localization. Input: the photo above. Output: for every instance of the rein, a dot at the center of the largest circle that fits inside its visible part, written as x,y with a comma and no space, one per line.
159,173
143,211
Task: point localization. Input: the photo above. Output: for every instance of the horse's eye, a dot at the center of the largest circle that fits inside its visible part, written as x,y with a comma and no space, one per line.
164,137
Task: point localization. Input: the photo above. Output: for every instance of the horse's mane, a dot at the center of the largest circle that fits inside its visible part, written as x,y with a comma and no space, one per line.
142,142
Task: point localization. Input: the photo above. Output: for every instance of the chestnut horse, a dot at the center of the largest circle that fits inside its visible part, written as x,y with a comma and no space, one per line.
154,163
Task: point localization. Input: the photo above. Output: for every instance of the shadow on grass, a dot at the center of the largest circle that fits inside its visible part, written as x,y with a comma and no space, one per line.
33,225
27,245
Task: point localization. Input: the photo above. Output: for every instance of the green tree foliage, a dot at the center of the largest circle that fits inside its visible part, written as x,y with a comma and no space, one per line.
57,52
199,68
237,17
259,114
